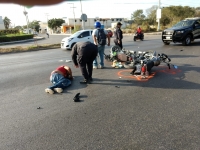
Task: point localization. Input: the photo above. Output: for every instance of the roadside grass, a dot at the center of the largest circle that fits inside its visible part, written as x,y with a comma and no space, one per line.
29,48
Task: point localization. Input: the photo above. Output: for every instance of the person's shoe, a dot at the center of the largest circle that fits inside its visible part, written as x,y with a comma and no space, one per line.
95,67
48,90
101,67
85,82
132,73
58,90
90,79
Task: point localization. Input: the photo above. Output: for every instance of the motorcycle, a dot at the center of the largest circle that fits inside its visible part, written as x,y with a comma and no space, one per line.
137,60
138,37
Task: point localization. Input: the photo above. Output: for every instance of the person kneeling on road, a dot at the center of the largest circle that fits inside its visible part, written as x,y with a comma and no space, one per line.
87,52
61,78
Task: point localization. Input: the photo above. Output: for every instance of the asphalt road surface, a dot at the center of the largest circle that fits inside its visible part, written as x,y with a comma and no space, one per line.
162,113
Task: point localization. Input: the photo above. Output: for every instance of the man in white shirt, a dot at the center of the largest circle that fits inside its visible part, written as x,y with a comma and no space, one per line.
99,36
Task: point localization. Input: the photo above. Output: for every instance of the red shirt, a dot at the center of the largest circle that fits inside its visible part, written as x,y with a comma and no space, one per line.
62,70
139,30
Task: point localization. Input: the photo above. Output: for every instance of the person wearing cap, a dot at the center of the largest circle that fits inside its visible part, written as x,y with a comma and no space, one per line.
118,34
61,78
86,52
101,47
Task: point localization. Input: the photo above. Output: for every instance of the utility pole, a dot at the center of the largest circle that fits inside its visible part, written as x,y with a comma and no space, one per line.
26,15
158,18
83,23
46,14
74,15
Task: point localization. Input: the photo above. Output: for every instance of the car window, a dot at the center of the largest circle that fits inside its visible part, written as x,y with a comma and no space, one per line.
184,23
84,34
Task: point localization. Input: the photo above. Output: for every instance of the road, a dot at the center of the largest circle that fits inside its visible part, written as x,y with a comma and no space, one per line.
161,113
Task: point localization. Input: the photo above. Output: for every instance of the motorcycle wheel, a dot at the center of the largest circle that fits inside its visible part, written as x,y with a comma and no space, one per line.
128,65
134,39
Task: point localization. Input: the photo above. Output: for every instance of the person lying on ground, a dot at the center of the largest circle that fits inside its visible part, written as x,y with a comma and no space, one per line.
61,78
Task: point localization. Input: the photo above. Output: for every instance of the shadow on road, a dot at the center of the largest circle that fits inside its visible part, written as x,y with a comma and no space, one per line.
163,78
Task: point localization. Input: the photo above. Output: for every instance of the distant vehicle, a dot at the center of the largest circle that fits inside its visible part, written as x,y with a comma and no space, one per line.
110,33
183,32
138,37
80,36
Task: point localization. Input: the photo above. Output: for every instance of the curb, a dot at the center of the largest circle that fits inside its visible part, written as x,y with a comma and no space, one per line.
156,33
22,41
30,50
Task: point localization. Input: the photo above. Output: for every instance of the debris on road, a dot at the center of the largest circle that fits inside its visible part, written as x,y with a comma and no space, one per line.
117,86
68,61
39,108
76,97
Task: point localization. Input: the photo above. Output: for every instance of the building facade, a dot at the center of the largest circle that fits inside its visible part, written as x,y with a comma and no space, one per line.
89,23
2,27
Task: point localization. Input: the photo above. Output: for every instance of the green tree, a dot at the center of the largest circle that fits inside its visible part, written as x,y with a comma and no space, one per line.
34,25
151,14
138,16
7,22
18,27
55,23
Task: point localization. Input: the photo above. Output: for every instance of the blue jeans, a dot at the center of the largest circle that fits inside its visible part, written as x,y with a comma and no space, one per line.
59,81
101,55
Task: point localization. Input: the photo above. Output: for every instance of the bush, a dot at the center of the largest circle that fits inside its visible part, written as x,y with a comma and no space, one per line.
9,31
17,37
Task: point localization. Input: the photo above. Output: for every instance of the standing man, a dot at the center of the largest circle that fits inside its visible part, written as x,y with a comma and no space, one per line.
61,78
118,35
99,36
87,52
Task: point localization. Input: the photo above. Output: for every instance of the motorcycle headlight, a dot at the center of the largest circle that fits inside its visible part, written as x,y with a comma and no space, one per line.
70,39
180,32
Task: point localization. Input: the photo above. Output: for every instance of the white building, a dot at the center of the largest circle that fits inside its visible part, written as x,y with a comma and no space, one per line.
89,24
2,27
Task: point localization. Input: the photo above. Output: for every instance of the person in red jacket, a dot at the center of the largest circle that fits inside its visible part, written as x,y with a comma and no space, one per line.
139,30
61,78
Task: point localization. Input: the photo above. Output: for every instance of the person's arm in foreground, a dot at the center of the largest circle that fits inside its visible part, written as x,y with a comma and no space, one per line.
74,55
32,2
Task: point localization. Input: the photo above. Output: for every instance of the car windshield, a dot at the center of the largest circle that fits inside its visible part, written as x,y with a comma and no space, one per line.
184,23
76,34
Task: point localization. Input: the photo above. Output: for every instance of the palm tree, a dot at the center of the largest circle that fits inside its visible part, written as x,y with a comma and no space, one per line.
7,22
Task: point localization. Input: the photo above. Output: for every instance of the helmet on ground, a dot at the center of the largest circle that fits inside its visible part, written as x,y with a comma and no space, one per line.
97,24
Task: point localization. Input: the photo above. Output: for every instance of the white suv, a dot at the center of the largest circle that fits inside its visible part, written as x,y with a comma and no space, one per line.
80,36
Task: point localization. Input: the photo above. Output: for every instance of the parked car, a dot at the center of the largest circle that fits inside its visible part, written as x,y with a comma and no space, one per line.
110,33
184,32
80,36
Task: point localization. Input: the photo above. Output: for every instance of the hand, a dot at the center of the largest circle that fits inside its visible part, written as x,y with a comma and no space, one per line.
118,41
76,66
32,2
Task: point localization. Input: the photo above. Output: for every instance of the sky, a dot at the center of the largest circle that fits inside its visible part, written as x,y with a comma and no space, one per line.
92,8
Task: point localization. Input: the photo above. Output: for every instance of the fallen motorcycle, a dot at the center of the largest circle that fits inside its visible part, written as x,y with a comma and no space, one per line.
138,60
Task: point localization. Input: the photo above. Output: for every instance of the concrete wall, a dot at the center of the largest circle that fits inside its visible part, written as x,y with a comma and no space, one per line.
2,27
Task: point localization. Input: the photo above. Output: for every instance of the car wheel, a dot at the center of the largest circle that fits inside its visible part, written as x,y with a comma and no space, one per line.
128,65
187,40
72,45
166,43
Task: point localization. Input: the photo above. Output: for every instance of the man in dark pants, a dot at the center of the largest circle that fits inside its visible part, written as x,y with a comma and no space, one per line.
118,34
87,52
